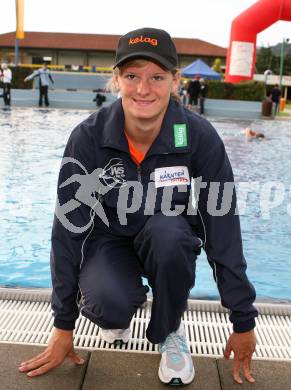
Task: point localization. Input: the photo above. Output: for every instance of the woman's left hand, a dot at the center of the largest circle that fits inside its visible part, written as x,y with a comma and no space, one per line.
243,346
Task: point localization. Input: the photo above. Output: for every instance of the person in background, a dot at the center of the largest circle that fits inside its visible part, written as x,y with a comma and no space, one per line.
203,94
193,92
276,94
182,91
6,78
142,151
99,99
45,78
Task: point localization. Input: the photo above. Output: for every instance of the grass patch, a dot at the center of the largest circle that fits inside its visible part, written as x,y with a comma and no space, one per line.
283,113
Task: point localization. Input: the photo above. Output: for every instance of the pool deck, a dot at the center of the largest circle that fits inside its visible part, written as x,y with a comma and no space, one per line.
26,322
111,370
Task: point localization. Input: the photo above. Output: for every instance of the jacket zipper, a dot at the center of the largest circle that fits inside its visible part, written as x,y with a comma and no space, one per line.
138,173
139,167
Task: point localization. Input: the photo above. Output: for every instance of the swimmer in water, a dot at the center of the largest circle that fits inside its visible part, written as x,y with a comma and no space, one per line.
251,134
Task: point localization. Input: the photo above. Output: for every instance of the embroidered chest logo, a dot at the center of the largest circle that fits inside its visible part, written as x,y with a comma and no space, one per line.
113,173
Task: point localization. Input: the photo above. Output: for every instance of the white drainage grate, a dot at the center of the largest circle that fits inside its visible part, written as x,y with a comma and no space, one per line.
25,317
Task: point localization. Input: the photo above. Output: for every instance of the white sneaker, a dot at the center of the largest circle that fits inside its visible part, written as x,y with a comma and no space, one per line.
176,366
115,335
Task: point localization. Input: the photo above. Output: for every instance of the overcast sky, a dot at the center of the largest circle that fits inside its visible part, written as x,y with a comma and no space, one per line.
209,20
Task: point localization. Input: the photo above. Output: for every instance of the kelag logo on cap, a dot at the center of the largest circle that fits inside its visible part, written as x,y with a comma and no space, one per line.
141,39
147,43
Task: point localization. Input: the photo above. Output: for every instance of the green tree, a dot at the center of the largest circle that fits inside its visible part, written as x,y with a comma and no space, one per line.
265,60
287,65
268,59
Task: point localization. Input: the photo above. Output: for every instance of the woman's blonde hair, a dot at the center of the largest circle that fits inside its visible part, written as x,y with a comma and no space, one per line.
112,84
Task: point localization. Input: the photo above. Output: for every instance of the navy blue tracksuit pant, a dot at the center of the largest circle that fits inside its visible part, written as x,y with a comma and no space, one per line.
110,281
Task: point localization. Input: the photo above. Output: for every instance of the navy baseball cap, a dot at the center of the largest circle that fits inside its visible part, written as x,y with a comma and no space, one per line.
148,43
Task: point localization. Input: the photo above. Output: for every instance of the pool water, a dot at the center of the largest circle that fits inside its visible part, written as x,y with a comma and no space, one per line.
31,147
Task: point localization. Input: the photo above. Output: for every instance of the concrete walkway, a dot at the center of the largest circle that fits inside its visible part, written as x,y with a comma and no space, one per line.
117,370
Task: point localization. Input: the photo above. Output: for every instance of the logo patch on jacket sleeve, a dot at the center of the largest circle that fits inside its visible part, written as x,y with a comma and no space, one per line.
180,134
171,176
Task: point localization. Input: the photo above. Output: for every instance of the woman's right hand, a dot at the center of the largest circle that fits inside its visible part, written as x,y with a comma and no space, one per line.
59,347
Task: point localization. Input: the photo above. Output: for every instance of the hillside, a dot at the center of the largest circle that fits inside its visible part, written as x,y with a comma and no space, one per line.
276,50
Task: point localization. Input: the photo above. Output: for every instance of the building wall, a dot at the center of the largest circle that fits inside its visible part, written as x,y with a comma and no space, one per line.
35,56
84,58
71,58
101,59
7,55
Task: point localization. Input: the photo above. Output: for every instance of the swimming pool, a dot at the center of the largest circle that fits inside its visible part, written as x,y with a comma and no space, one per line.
32,144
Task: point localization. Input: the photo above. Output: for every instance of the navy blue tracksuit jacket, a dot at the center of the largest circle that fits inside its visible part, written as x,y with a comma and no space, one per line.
97,165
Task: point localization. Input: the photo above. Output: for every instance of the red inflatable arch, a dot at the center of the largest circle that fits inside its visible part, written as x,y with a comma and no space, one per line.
241,56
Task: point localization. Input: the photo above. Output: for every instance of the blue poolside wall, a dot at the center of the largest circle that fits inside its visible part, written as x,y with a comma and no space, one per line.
83,99
57,98
75,90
